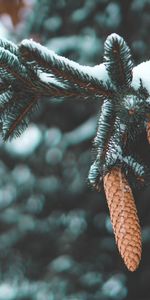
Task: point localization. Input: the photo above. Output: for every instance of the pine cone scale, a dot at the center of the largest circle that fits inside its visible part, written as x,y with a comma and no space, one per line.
148,131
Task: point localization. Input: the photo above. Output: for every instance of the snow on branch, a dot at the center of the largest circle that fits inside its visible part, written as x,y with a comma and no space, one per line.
29,71
89,79
141,73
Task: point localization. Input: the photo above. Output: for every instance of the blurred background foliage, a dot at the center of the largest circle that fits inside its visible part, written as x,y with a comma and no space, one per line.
56,239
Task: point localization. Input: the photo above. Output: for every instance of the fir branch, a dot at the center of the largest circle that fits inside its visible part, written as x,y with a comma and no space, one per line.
105,127
6,100
105,130
8,45
16,119
136,171
59,89
10,66
4,86
117,59
95,176
38,56
136,167
114,152
109,144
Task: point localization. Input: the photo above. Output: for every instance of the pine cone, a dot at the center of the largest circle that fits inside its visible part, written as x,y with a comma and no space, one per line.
148,131
124,217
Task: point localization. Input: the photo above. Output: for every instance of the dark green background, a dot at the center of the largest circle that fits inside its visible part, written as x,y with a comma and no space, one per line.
56,240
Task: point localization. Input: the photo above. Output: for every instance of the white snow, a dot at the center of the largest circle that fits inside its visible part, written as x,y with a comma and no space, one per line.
50,79
47,78
141,72
98,72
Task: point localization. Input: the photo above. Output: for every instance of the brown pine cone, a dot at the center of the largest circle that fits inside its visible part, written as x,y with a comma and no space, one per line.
124,217
148,131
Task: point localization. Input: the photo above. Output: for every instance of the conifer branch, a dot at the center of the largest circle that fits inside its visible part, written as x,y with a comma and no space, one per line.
118,60
6,101
104,124
115,149
136,167
105,130
10,66
39,57
8,45
17,119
